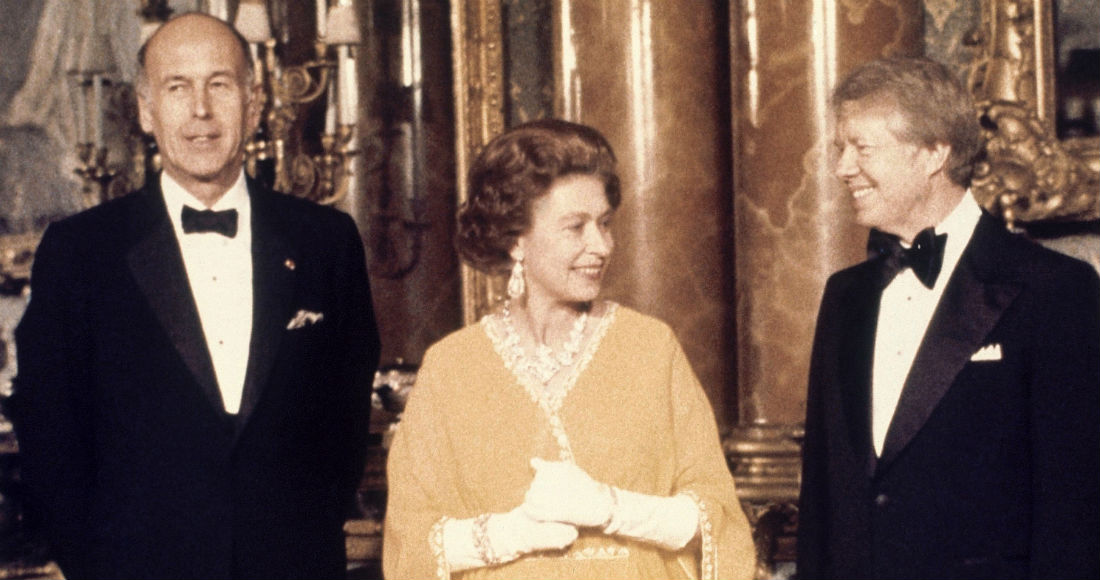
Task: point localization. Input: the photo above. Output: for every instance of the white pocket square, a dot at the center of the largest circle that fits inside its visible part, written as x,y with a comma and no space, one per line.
304,318
989,352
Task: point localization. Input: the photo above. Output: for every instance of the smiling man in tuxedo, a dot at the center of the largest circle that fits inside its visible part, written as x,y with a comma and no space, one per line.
953,413
195,363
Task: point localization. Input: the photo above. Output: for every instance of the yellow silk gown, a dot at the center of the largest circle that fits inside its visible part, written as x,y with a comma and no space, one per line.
632,414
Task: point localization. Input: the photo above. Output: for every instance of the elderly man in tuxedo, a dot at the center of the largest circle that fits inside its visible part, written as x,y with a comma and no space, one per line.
953,416
196,359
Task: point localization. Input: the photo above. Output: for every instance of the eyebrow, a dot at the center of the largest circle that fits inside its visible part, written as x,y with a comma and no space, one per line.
585,215
216,74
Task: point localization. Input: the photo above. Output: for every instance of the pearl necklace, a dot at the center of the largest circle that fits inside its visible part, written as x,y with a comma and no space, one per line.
546,363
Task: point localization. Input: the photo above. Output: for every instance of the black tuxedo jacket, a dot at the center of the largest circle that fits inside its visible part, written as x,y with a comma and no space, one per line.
991,468
132,467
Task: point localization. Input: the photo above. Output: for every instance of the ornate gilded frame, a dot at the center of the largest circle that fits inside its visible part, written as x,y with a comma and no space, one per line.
1030,174
479,116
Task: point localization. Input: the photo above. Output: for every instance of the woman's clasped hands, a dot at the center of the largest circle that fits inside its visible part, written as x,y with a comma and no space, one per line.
563,492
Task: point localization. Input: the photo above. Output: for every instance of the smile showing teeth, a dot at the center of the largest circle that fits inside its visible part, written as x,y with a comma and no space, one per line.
861,192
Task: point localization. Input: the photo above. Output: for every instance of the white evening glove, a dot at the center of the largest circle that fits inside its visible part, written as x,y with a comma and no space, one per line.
563,492
503,538
669,522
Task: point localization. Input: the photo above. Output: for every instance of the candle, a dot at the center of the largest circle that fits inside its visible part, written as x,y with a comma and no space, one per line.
81,113
330,106
97,108
348,84
322,18
257,63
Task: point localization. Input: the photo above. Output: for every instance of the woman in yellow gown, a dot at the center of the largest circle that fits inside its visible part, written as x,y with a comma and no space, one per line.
563,436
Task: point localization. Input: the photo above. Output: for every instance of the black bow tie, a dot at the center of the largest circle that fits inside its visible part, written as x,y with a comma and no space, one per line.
925,256
221,222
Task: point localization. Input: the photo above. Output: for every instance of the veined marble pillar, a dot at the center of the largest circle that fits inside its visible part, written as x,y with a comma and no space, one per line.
644,73
793,223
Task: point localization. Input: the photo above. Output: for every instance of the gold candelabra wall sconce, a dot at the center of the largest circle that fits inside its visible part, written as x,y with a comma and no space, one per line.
326,175
296,149
319,167
93,77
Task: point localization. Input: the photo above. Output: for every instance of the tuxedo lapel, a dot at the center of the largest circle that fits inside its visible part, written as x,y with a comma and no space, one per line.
970,307
273,266
157,265
856,343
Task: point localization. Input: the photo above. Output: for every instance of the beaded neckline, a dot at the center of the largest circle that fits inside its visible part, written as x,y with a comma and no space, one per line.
549,400
545,363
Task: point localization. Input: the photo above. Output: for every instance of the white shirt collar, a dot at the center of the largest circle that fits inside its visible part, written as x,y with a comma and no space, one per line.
175,197
959,226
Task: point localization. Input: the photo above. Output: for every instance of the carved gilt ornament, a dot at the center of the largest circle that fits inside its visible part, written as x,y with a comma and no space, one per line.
1029,174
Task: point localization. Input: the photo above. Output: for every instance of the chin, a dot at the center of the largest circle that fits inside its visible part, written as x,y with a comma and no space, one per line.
584,297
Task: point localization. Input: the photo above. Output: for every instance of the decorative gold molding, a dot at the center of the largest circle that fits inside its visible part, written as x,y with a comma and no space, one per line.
766,462
479,116
1029,174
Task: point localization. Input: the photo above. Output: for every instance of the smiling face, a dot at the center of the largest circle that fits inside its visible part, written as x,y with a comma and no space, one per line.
889,179
197,103
567,248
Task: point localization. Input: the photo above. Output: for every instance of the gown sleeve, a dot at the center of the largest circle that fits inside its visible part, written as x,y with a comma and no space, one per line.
421,481
724,547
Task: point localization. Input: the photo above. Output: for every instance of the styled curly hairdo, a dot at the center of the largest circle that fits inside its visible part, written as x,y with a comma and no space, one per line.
936,106
516,168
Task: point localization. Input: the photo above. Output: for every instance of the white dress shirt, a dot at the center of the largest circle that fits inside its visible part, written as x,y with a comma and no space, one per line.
219,269
905,312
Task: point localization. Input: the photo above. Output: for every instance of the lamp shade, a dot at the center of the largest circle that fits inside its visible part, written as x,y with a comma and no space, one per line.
343,25
252,22
95,55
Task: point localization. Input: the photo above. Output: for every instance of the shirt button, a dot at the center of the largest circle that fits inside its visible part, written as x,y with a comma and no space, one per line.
882,499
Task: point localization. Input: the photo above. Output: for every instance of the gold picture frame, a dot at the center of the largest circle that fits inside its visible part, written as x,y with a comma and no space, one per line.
476,27
1029,175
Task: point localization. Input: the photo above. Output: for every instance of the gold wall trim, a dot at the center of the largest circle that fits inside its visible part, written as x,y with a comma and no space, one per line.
766,462
1030,174
479,116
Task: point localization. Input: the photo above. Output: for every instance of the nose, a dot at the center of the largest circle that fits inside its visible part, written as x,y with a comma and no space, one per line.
598,240
200,107
845,166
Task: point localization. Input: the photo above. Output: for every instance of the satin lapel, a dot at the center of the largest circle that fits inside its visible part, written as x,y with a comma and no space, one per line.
157,265
856,344
972,303
272,292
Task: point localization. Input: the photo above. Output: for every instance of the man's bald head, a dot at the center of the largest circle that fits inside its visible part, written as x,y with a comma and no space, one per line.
190,21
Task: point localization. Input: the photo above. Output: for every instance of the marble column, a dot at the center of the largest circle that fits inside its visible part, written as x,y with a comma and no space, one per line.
644,73
793,223
405,199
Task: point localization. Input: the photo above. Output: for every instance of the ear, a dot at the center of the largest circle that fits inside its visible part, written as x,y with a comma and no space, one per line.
936,158
145,116
255,107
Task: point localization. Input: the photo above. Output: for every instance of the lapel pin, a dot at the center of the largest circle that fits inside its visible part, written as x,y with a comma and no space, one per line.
289,264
